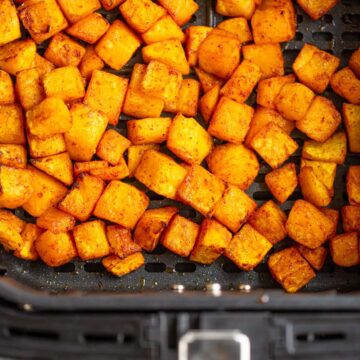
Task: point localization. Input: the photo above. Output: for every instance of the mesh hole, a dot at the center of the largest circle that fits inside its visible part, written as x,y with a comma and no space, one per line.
154,196
2,272
185,267
350,3
230,268
350,36
327,18
262,195
346,54
187,212
299,18
296,195
155,267
33,334
159,250
100,338
67,268
298,36
94,268
322,36
291,54
351,19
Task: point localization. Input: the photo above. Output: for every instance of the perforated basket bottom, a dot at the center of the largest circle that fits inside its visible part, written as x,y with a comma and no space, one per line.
338,33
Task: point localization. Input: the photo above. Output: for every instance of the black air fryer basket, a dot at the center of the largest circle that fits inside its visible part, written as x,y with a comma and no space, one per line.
79,308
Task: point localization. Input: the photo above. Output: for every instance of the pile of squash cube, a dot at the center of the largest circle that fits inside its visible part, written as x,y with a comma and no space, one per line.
67,165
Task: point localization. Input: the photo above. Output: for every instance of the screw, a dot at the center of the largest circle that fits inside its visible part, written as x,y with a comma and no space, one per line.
245,288
214,288
264,299
179,288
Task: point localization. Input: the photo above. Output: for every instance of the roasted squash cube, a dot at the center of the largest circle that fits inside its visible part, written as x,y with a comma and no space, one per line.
78,9
90,63
235,164
180,10
118,45
55,249
351,114
9,22
317,8
87,166
314,67
17,56
219,53
188,140
195,35
238,26
268,57
14,221
244,8
80,201
91,241
282,182
247,248
333,215
6,89
42,19
354,62
120,241
315,257
164,29
207,103
11,125
351,218
64,51
307,225
112,147
273,144
122,204
207,81
344,249
29,235
109,173
148,131
325,171
234,208
88,126
180,235
230,120
58,166
9,236
50,145
141,14
42,65
201,190
290,269
332,150
212,241
121,267
135,153
160,173
151,226
89,29
106,93
47,193
168,52
346,84
242,82
111,4
321,119
48,118
56,221
353,184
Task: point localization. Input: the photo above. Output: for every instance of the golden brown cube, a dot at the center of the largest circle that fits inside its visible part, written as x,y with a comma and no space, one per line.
269,220
180,235
208,102
118,45
332,150
42,19
6,89
212,241
188,140
238,26
13,220
201,190
273,144
344,249
112,146
111,4
180,10
87,166
333,215
354,62
122,204
91,241
11,125
135,153
231,120
148,131
235,164
77,9
315,257
58,166
51,145
346,84
90,63
80,201
56,221
321,120
242,82
42,65
234,208
290,269
16,187
9,236
307,225
207,81
17,56
244,8
317,8
314,67
268,90
160,173
169,52
219,54
48,118
353,184
351,114
121,267
109,173
268,57
351,218
89,29
141,14
247,248
9,22
325,171
47,193
29,235
88,126
120,241
195,35
282,182
151,226
13,156
55,249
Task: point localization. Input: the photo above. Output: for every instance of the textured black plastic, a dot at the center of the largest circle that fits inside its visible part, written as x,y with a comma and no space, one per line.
337,32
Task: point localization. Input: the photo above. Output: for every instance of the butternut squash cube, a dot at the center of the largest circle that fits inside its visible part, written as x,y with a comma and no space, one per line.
344,249
42,65
135,153
333,215
325,171
89,63
207,81
87,166
50,145
121,267
244,8
180,10
351,114
9,22
111,4
207,103
354,62
315,257
109,173
9,236
351,218
317,8
11,125
78,9
238,26
14,221
195,35
353,184
346,84
29,235
56,221
6,89
120,241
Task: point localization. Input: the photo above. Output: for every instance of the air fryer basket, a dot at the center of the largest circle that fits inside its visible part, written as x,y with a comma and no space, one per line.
337,32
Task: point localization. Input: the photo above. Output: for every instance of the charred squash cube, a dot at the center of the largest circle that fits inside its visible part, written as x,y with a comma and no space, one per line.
353,184
120,241
56,221
317,8
121,267
29,235
315,257
9,236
